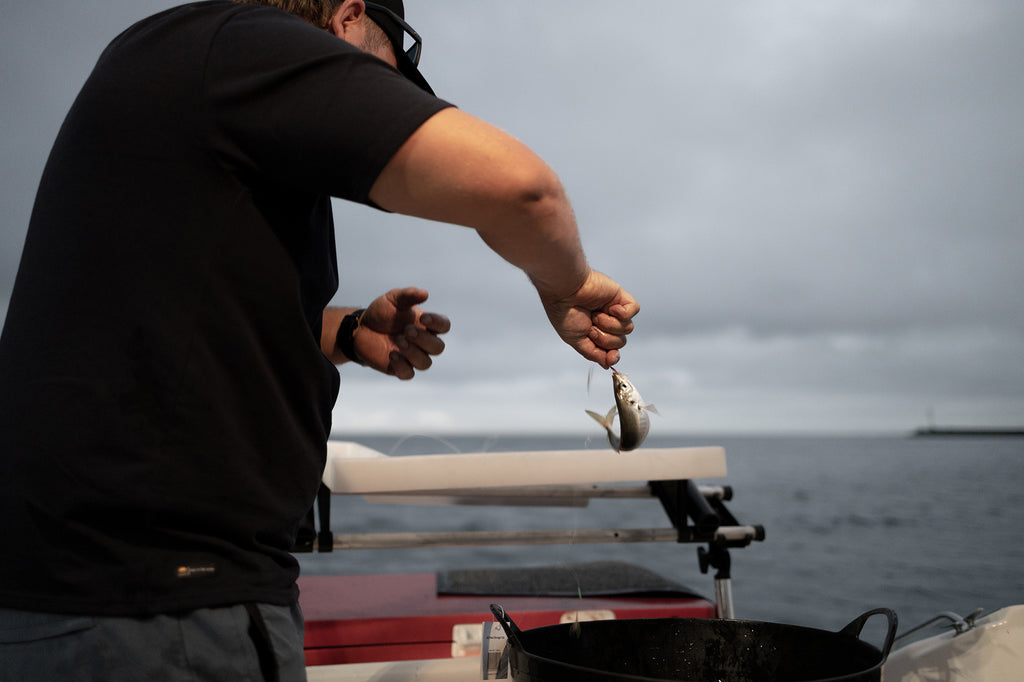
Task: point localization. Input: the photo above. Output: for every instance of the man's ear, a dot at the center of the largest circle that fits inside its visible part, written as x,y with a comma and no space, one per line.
349,15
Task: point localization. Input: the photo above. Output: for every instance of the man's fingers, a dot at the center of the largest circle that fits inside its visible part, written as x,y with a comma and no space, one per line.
407,297
605,340
605,358
624,310
426,340
612,325
416,346
439,324
400,367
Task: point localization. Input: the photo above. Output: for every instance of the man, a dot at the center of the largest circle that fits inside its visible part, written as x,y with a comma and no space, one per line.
167,362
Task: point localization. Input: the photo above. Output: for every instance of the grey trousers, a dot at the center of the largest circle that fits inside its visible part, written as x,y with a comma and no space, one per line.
248,642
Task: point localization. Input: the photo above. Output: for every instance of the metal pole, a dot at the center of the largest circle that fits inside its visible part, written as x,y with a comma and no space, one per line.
723,598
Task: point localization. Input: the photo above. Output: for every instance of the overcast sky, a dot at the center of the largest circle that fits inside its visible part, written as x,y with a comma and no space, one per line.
819,206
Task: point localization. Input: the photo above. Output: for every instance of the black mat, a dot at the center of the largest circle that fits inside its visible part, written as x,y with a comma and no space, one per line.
594,579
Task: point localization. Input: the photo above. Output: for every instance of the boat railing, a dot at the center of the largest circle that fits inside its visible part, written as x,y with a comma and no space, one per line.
945,619
697,513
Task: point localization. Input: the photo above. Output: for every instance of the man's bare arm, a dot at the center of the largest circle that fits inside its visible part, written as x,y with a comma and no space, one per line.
458,169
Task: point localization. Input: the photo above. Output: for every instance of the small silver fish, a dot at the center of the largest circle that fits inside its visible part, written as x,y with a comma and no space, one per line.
633,420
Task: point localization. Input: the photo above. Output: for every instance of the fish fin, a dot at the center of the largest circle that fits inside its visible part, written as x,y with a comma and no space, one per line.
652,408
605,421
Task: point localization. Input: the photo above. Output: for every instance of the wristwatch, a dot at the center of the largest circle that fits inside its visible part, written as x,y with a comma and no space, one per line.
346,340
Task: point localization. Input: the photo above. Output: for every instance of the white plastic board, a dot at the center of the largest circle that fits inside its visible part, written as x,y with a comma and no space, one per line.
355,469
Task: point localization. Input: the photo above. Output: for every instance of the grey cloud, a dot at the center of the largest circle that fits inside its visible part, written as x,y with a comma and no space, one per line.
818,205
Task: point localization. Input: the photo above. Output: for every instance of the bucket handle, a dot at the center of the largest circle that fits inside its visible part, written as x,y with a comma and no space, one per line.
512,631
855,627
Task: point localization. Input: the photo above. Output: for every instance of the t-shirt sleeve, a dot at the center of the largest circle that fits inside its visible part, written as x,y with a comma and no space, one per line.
294,104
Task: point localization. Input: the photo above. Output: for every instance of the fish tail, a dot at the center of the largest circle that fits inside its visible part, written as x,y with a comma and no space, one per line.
605,421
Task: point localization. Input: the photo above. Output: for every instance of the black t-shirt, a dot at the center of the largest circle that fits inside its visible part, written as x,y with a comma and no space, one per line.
164,404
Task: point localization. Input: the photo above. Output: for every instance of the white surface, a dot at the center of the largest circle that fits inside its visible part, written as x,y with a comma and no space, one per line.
355,469
991,651
441,670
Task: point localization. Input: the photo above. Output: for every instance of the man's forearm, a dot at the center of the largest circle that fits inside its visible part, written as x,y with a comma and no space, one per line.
460,170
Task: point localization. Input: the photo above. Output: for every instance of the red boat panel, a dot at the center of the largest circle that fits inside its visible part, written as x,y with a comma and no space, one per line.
392,617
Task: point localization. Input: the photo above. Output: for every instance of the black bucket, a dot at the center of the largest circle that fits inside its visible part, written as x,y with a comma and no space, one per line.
695,649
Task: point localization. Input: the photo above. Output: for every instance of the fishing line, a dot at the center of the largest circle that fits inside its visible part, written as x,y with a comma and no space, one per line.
401,441
576,627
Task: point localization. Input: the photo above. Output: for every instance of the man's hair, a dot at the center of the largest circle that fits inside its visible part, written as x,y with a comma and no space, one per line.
376,38
316,12
319,13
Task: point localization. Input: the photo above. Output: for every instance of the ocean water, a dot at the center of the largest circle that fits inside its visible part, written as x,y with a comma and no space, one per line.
918,525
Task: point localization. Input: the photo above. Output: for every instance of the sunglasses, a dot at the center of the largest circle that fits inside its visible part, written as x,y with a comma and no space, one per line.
414,51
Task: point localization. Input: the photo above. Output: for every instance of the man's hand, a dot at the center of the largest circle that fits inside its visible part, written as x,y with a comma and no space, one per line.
394,337
595,319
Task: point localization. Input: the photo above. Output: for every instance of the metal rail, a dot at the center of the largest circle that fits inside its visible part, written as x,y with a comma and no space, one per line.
961,625
343,541
697,513
556,491
533,495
